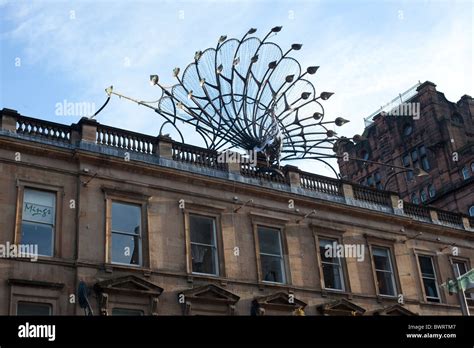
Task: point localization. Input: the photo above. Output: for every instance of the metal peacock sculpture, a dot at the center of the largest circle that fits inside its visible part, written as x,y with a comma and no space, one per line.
248,94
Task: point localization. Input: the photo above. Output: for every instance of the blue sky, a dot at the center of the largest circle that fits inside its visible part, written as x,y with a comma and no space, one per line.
369,51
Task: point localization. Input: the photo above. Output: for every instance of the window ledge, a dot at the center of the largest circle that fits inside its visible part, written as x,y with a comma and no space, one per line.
110,267
35,283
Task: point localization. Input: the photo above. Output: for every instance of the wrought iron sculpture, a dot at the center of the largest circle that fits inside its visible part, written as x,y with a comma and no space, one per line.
249,94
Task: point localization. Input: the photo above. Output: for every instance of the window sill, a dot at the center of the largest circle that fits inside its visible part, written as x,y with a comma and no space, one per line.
389,298
110,267
341,293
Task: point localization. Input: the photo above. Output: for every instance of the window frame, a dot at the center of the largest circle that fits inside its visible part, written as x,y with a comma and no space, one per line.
340,264
133,235
131,198
269,221
57,230
333,234
49,305
214,247
436,274
210,211
281,256
391,259
467,263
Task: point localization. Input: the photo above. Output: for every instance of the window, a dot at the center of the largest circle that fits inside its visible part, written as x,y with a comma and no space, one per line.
406,160
406,164
32,308
38,220
431,190
126,233
331,265
370,181
362,182
126,312
428,275
414,198
271,255
423,195
378,181
465,173
364,154
460,268
457,119
471,210
407,129
384,271
425,164
413,160
203,245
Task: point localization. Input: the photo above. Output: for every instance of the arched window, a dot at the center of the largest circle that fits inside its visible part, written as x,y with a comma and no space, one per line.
423,195
414,198
465,173
431,190
407,129
457,119
471,210
364,154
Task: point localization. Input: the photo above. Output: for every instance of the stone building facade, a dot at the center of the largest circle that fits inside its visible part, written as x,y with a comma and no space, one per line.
440,140
146,225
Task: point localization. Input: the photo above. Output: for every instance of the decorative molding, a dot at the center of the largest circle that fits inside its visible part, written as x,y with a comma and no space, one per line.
155,301
130,284
260,217
207,207
341,307
127,285
395,309
277,301
35,283
209,294
129,195
103,303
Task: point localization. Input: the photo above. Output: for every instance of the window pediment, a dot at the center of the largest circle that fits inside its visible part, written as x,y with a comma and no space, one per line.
209,299
396,309
279,300
341,307
129,284
210,293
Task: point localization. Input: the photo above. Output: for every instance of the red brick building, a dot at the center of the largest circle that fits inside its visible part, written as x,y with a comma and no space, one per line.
439,140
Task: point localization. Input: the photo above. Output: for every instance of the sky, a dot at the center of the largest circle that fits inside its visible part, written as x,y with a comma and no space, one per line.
56,52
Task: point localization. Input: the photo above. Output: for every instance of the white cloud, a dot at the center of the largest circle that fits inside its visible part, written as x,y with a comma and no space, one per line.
93,49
